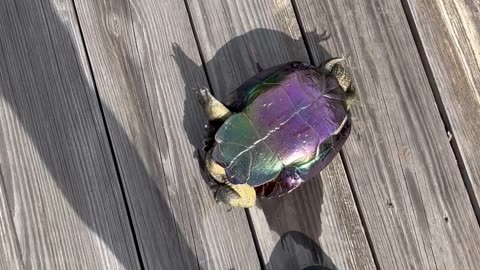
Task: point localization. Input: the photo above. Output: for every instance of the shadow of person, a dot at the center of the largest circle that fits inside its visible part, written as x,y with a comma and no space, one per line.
295,251
53,109
252,53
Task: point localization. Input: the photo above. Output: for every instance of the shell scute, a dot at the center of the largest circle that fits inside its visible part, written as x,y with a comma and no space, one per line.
244,154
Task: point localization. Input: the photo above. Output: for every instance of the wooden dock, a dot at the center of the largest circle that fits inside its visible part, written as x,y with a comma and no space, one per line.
99,128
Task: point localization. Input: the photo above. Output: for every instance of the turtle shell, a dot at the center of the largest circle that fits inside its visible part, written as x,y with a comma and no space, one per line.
285,116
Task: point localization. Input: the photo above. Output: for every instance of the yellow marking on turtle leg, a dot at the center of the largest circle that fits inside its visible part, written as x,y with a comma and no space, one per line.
242,195
334,67
342,76
328,66
216,171
343,79
215,109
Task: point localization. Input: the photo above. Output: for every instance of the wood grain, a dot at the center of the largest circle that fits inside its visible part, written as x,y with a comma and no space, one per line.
319,222
155,124
58,186
10,256
449,32
403,170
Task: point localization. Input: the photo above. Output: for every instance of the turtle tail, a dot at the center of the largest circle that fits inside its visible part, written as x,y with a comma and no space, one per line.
208,143
209,135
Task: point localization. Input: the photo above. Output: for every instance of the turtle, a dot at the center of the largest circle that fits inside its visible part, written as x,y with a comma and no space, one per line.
277,130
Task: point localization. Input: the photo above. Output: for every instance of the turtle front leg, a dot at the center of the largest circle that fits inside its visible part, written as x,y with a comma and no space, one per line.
216,112
214,109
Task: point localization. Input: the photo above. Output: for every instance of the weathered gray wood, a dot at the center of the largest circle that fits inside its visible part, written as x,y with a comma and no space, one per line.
58,184
155,126
10,257
234,36
449,32
403,170
324,211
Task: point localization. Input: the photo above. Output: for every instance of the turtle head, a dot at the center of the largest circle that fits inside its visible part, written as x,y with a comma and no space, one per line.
334,67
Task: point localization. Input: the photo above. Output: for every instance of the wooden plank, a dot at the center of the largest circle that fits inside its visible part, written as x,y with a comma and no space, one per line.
403,170
449,32
155,126
234,36
10,257
59,178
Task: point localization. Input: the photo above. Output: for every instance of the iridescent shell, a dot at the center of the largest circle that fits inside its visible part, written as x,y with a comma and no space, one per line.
288,123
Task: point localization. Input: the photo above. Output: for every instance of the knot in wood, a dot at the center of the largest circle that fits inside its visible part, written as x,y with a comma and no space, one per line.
114,24
389,204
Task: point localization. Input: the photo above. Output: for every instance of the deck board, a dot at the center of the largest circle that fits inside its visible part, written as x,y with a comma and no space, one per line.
10,256
402,167
449,33
319,222
58,181
156,125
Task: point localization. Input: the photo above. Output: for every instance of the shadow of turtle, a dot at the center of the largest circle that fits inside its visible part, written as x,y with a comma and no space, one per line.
50,93
251,51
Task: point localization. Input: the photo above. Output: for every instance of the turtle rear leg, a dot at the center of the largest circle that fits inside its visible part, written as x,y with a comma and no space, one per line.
242,195
333,66
214,109
214,169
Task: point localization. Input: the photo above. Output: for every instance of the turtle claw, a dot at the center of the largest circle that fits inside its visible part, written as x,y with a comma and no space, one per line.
259,67
215,110
203,95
